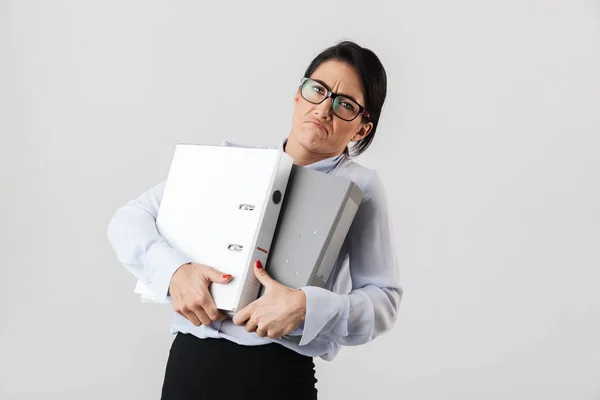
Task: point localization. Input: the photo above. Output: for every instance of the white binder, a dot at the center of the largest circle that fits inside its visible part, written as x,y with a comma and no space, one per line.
220,207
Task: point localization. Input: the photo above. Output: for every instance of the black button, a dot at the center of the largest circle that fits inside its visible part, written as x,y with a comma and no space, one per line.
277,197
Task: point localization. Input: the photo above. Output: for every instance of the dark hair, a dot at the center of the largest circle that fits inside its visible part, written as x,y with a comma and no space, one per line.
372,75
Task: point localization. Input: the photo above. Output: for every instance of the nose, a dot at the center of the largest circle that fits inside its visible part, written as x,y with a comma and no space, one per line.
324,110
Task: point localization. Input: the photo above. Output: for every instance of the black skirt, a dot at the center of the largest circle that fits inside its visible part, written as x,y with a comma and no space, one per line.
218,369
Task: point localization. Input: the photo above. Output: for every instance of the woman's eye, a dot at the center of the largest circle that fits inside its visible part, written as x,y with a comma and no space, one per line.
347,105
318,89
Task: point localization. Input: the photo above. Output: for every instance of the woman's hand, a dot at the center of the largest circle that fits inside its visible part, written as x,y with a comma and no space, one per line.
278,312
191,296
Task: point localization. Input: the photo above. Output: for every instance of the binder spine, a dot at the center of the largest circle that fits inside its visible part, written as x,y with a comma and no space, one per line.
336,237
259,249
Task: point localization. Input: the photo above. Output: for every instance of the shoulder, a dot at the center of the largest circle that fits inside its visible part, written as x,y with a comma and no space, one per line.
367,179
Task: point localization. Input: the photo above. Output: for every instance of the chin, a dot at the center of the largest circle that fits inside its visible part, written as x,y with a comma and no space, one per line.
312,140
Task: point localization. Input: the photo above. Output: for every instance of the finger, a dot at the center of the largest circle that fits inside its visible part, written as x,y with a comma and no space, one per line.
243,315
273,335
214,275
263,277
201,314
261,332
287,330
187,314
210,308
190,316
251,325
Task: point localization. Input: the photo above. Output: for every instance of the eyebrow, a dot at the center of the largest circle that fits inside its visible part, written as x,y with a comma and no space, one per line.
339,94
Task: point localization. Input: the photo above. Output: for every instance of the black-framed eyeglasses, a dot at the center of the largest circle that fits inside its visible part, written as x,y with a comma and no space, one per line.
343,107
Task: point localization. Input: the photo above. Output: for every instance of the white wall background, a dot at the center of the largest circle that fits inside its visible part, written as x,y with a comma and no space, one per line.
489,146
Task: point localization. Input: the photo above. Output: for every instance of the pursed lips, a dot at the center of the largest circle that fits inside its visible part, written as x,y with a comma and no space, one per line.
318,124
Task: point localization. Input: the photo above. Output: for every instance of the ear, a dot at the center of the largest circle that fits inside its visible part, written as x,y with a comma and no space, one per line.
297,96
363,132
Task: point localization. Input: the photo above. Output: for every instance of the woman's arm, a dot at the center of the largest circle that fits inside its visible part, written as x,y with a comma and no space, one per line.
138,245
371,308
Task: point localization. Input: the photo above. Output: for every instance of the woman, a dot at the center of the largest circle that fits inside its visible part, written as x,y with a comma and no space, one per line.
270,344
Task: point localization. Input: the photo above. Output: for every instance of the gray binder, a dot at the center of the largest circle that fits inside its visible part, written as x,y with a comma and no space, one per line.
315,217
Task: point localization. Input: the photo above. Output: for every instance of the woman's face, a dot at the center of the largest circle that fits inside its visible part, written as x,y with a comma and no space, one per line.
315,127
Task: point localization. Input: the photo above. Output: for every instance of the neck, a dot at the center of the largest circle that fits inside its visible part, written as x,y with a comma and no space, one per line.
301,155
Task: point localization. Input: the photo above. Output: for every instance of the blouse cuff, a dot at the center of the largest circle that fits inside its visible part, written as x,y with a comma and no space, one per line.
324,310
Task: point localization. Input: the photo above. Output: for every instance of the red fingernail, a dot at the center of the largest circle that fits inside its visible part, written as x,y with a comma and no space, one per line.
258,264
226,276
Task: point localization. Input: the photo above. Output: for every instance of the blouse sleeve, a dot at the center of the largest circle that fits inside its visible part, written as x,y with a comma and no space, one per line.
371,307
133,234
